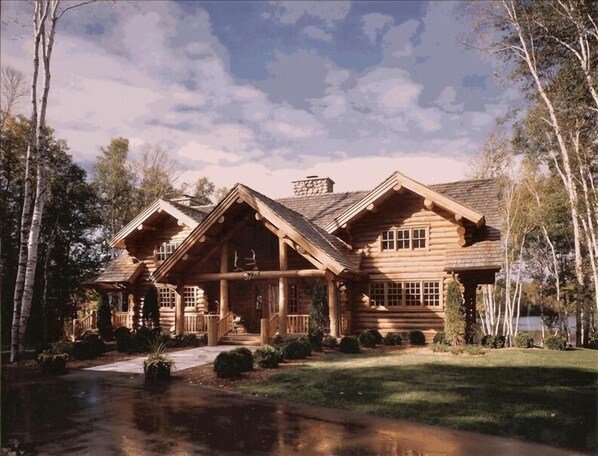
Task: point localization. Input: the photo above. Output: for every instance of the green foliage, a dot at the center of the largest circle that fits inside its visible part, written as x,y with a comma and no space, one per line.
297,349
157,366
144,338
246,358
370,338
50,364
184,340
349,345
105,318
454,322
228,365
203,190
555,343
125,343
523,340
393,338
491,341
91,346
151,309
316,339
417,338
330,342
268,356
318,311
440,338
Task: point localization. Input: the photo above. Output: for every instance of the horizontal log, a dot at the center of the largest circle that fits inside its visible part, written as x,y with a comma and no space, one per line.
258,275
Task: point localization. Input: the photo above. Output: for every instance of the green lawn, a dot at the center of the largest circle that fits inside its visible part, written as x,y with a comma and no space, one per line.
539,395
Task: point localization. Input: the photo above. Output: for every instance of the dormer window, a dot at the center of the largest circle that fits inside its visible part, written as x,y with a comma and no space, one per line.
165,250
411,238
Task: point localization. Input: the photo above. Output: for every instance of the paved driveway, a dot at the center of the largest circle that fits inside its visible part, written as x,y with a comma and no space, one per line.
91,413
183,359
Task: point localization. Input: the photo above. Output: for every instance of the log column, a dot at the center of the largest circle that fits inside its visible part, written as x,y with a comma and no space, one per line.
179,311
469,303
283,306
332,308
224,282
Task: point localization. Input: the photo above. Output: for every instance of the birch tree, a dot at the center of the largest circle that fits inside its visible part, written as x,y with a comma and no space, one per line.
46,15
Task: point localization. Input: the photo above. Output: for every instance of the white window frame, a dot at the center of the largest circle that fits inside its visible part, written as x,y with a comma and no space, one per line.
399,242
166,249
293,299
190,297
388,289
166,293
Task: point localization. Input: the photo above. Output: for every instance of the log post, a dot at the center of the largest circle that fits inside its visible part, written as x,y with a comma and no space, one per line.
264,331
224,282
332,308
212,332
179,311
283,306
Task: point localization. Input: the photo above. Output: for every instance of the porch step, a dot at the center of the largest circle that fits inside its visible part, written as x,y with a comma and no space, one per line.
240,339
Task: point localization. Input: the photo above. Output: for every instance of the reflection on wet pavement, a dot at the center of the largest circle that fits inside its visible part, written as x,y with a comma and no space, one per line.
114,414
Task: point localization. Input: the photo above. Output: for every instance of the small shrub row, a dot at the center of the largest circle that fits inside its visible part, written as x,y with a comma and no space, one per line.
523,340
349,345
128,341
370,338
490,341
268,356
297,349
393,338
440,338
457,349
184,340
89,347
330,342
555,343
417,338
232,363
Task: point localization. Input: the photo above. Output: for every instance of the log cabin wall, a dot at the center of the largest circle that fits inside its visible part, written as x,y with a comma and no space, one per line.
403,210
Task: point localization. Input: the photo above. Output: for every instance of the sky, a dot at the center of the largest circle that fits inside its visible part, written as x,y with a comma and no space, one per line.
264,93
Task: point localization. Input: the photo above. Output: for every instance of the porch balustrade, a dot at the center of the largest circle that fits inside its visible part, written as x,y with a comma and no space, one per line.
273,325
122,319
225,325
83,324
297,324
195,324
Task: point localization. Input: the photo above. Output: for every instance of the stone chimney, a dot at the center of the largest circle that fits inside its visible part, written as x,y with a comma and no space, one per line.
186,200
313,185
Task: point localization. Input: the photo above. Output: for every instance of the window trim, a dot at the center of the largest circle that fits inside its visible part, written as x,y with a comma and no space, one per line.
403,305
166,253
171,297
396,240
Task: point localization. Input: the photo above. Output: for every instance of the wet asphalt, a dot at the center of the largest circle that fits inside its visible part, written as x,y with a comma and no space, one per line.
106,413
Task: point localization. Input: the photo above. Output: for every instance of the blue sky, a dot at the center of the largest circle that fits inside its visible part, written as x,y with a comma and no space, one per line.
266,92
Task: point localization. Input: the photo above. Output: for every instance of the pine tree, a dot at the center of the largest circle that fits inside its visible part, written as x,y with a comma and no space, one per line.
318,311
454,323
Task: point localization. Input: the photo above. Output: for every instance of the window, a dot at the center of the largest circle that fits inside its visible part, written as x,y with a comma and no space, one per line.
388,240
190,296
165,250
377,293
404,239
411,293
166,297
293,301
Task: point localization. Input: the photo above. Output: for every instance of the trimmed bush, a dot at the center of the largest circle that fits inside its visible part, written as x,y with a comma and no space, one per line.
393,338
315,339
246,358
52,364
144,338
268,357
440,338
330,342
105,318
555,343
125,343
523,340
349,345
417,338
367,339
454,322
228,365
491,341
297,349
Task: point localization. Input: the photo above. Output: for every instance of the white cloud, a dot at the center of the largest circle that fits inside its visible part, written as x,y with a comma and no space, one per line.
374,24
289,12
317,33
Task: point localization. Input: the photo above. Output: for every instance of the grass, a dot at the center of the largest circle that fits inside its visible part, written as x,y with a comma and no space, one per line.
539,395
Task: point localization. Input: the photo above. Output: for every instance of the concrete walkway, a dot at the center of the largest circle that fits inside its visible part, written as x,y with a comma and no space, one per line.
183,359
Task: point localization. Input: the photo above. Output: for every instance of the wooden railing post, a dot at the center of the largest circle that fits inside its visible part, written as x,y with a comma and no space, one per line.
264,331
332,309
224,282
283,306
212,332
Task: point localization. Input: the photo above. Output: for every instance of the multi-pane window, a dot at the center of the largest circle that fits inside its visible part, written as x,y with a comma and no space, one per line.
388,240
404,239
431,294
293,301
165,250
190,296
410,293
166,297
377,293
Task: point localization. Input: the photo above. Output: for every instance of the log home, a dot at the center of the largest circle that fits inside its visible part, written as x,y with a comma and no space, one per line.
250,263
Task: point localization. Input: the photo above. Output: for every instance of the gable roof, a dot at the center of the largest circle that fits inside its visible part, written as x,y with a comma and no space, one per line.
393,183
185,214
324,247
122,271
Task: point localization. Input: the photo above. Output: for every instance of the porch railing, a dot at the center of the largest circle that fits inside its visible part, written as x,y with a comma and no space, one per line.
225,325
273,325
297,324
122,319
83,324
195,324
